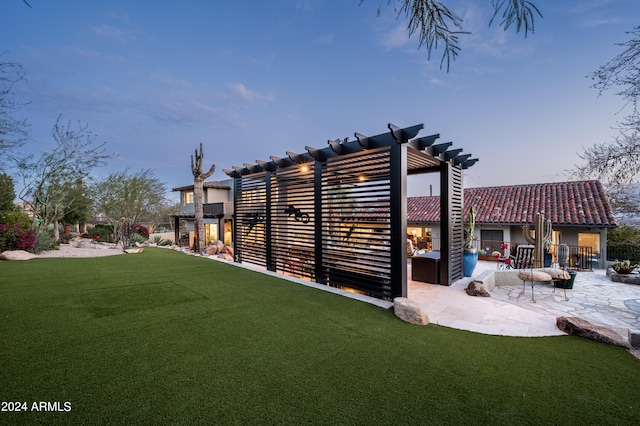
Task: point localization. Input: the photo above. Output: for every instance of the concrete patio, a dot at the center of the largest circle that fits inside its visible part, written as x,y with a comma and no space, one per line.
508,312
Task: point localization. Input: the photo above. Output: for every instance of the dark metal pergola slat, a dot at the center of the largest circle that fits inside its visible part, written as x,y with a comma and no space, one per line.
337,215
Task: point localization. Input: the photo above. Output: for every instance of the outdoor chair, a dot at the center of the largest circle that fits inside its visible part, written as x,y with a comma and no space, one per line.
523,258
563,256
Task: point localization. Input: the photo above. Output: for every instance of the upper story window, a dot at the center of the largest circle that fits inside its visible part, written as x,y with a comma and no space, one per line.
187,197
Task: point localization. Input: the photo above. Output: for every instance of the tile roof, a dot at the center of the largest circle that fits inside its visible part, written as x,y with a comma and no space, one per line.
210,184
582,203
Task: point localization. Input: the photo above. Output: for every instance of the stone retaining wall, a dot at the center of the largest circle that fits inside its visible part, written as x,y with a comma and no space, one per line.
491,279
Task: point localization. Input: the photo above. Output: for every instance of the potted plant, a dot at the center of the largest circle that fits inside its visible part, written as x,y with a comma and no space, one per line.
548,257
624,267
567,284
470,254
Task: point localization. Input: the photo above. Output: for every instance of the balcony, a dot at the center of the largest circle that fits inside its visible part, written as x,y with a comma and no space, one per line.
210,209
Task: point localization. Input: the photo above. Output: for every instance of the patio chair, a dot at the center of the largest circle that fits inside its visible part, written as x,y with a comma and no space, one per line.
523,258
563,256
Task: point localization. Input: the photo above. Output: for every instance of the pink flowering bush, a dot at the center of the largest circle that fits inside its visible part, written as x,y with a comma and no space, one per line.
140,230
13,237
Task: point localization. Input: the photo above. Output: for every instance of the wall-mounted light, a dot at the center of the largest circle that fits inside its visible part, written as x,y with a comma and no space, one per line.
304,168
362,178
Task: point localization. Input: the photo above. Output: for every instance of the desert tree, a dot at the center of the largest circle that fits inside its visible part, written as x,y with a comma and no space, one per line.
617,163
127,198
161,216
437,25
198,193
13,130
49,181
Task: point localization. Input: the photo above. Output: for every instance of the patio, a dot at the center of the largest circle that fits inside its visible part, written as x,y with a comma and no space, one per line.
507,312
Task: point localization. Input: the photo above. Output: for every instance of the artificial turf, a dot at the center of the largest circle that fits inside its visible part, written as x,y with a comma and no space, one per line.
161,337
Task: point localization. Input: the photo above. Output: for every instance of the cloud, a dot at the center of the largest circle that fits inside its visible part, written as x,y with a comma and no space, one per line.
597,22
325,39
166,79
240,92
113,33
395,38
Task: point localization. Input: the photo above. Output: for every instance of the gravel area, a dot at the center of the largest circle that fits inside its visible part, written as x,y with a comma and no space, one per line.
83,248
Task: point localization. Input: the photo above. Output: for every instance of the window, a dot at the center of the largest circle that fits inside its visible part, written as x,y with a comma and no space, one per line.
589,240
187,198
491,240
211,232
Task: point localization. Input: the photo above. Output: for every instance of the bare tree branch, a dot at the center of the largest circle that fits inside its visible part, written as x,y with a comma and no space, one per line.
13,131
437,25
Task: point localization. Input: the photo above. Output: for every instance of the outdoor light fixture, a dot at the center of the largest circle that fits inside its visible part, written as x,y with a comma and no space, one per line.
362,178
304,168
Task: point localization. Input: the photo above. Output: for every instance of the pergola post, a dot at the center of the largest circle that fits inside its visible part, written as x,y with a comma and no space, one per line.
317,231
176,230
398,202
267,225
236,228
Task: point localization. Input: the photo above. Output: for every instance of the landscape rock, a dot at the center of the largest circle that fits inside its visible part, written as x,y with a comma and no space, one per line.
219,244
212,250
16,255
85,244
228,250
225,256
476,288
579,327
410,311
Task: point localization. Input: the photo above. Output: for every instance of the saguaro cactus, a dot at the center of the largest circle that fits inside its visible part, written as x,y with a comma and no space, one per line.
198,185
542,234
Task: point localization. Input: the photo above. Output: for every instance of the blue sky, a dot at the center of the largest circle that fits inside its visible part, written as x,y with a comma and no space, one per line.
252,79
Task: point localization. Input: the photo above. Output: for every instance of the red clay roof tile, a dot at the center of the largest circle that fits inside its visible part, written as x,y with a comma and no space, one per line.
582,203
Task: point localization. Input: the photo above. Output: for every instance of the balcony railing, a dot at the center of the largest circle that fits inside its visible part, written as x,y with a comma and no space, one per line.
213,209
210,209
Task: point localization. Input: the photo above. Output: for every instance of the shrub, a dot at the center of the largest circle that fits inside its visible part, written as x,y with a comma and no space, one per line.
157,239
44,242
102,232
17,218
65,238
137,238
13,237
141,230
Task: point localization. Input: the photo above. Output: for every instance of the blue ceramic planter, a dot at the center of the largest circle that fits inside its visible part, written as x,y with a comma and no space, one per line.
469,262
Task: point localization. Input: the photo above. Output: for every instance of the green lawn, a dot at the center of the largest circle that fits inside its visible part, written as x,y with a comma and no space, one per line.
161,337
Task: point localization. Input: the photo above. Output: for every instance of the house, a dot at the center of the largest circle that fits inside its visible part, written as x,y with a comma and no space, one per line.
580,214
218,213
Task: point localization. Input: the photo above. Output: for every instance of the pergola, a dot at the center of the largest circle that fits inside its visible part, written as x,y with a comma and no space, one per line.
338,215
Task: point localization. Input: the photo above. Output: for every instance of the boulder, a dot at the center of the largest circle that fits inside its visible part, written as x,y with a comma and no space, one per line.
85,244
225,256
583,328
219,245
228,250
475,288
16,255
212,250
410,311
